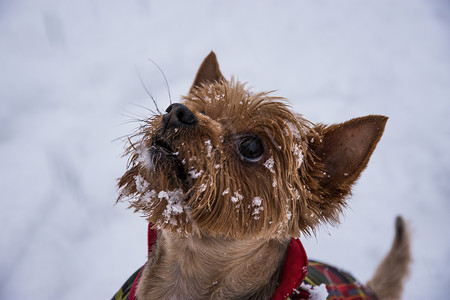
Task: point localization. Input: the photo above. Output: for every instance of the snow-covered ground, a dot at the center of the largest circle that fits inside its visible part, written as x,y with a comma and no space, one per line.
69,87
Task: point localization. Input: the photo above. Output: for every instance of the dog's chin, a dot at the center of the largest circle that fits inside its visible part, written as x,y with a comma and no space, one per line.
163,159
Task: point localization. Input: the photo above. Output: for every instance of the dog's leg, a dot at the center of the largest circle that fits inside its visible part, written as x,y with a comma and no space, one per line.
387,283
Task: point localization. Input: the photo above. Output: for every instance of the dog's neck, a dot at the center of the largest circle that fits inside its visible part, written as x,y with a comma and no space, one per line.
212,268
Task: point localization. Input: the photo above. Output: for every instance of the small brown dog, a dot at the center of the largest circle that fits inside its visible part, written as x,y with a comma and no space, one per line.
229,180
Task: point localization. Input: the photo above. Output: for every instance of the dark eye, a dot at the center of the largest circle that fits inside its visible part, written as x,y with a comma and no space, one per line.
251,148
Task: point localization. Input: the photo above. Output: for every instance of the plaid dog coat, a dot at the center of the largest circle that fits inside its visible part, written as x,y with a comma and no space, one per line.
301,279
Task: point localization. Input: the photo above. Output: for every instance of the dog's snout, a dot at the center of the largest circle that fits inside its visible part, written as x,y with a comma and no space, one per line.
178,115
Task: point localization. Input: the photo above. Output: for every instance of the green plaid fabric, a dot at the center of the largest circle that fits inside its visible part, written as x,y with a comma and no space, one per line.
340,285
124,291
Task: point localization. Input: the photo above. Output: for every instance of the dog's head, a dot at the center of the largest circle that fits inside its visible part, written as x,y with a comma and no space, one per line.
229,162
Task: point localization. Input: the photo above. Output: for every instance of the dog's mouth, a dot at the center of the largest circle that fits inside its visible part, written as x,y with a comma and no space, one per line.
163,156
162,146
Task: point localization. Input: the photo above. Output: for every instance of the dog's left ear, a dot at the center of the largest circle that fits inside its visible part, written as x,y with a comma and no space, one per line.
343,151
209,71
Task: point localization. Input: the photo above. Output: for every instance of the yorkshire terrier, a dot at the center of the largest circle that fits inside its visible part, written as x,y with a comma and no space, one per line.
229,180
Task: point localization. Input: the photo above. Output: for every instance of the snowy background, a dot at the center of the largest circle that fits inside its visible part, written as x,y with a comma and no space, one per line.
69,87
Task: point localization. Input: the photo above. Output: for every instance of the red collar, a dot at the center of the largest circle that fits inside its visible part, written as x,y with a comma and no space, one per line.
294,270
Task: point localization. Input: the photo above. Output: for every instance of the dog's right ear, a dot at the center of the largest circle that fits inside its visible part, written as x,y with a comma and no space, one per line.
342,152
208,72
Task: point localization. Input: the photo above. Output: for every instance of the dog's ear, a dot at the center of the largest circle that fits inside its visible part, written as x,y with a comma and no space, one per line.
343,151
208,72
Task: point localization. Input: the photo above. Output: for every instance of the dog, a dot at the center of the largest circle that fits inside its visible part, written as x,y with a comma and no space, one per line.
229,180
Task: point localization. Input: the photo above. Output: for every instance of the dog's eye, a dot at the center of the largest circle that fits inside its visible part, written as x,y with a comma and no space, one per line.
251,148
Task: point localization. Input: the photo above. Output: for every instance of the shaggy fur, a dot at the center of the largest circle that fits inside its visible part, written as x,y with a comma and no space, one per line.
387,283
228,178
212,268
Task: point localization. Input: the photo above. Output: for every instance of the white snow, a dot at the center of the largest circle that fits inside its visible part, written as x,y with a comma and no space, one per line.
174,204
317,292
298,153
237,197
269,164
293,130
149,196
208,148
195,173
257,201
203,187
219,97
69,88
144,156
141,184
288,215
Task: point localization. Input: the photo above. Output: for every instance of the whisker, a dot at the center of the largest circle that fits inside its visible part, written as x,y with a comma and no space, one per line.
131,143
121,138
144,107
165,79
137,132
135,116
130,121
147,91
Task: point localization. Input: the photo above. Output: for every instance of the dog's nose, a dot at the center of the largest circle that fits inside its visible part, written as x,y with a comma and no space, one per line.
178,115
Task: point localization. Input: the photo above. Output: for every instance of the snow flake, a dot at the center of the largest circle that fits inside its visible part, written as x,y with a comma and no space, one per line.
237,197
227,191
195,174
208,148
141,183
269,164
174,204
149,196
298,153
288,215
219,97
257,201
203,187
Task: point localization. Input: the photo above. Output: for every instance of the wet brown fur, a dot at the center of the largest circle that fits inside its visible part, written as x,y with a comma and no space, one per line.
302,180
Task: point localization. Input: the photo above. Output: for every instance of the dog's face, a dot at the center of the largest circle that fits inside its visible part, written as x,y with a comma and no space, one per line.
232,163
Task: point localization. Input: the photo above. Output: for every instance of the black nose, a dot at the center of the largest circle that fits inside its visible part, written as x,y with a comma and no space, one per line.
178,115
